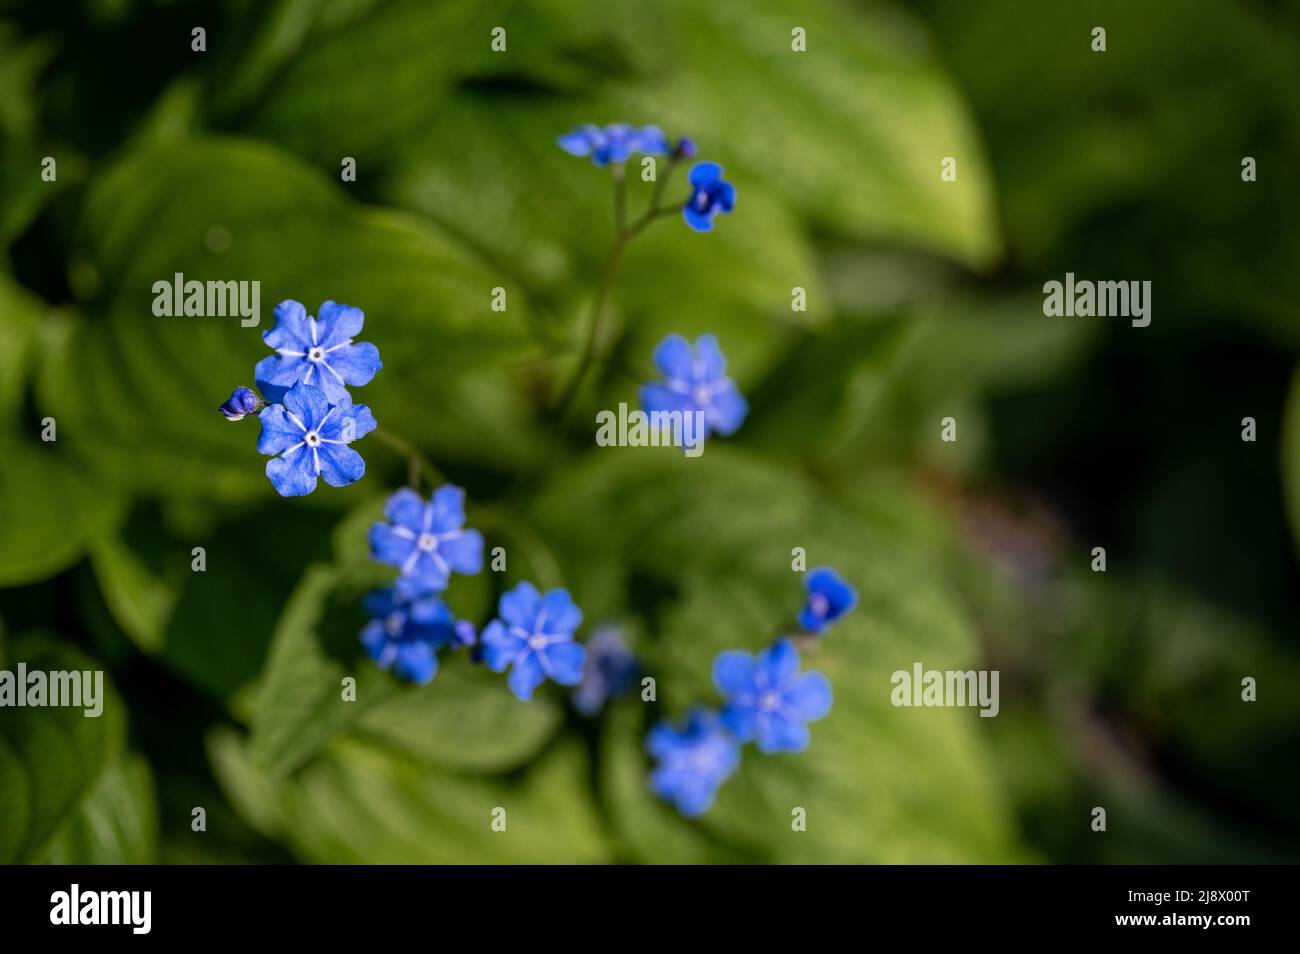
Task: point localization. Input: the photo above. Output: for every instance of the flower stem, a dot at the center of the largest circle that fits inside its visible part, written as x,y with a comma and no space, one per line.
415,461
623,234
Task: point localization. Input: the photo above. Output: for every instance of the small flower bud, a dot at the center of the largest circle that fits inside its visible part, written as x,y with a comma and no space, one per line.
685,149
242,401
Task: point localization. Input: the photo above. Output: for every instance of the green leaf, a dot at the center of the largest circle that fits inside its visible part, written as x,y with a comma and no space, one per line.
466,719
50,510
155,214
20,314
716,535
363,804
65,783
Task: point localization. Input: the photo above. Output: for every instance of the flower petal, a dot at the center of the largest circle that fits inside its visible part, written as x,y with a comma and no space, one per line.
709,366
525,676
563,662
404,509
340,465
500,646
294,474
463,553
673,358
734,674
337,323
388,546
417,661
519,606
739,721
579,141
704,173
779,663
808,696
727,410
275,374
448,503
776,734
697,220
558,614
292,328
308,403
278,432
356,363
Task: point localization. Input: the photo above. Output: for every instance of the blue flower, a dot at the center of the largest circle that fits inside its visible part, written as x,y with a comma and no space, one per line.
769,699
696,381
610,670
426,541
308,436
709,196
242,401
534,636
829,598
406,636
693,761
317,351
685,148
613,144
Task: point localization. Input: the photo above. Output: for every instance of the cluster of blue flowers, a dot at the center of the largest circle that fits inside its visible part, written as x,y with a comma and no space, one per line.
309,421
427,541
308,417
767,701
613,145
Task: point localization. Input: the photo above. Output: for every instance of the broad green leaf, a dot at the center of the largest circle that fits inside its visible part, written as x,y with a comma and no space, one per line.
50,509
360,803
115,824
136,393
65,781
20,315
213,625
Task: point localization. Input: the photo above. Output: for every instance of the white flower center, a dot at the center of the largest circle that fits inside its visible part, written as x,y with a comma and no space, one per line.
312,439
427,542
770,701
819,604
702,759
316,354
393,624
703,394
537,642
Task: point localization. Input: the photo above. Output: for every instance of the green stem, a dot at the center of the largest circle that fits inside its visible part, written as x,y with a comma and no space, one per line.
623,234
415,461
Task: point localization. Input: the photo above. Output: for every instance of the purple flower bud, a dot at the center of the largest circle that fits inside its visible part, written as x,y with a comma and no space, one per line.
686,148
242,401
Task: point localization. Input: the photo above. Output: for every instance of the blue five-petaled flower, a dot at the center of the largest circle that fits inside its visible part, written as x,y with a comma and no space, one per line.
534,638
768,699
696,381
405,636
615,143
710,194
829,598
426,541
317,351
308,438
694,761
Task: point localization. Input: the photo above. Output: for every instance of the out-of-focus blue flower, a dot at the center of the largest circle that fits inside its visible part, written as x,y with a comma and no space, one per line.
693,761
308,437
242,401
614,143
534,636
685,148
829,598
406,635
317,351
768,699
611,669
426,541
696,381
709,196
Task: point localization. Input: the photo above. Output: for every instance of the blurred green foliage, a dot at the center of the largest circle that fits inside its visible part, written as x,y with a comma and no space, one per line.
1120,689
